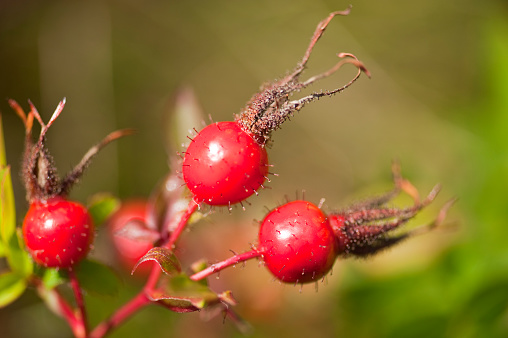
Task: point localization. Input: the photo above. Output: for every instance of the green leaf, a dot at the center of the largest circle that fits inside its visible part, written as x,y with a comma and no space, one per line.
101,206
164,257
181,294
12,286
7,209
51,278
97,278
18,258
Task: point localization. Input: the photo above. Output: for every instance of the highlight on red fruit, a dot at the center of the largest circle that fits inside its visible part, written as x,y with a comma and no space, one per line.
297,242
58,233
125,223
224,165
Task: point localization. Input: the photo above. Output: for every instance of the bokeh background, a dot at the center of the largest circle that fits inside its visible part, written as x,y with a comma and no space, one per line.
437,102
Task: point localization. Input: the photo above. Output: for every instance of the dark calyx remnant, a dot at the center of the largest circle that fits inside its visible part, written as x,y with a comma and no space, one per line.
270,107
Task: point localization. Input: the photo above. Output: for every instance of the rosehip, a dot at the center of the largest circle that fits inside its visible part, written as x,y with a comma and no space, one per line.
297,242
58,233
130,250
224,165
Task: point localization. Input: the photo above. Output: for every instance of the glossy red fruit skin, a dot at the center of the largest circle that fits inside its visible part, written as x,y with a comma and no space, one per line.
224,165
130,250
297,242
58,233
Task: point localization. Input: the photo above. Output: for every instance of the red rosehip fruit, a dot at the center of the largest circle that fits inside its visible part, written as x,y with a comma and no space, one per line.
58,233
297,242
224,165
130,248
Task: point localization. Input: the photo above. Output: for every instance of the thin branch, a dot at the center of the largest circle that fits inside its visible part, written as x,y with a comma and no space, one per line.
76,289
225,263
120,315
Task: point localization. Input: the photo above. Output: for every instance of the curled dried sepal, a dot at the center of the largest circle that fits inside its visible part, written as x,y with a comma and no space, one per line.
166,260
364,229
75,174
39,172
269,108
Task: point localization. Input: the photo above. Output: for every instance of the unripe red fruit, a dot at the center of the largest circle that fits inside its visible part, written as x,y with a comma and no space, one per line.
58,233
224,165
297,242
130,250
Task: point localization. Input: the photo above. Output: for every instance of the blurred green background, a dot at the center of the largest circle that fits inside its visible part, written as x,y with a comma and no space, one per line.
437,101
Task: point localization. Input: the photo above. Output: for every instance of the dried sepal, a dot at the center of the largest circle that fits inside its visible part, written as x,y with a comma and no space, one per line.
270,107
365,229
39,172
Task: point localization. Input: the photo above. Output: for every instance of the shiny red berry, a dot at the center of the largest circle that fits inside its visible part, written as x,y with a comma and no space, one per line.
58,233
224,165
297,242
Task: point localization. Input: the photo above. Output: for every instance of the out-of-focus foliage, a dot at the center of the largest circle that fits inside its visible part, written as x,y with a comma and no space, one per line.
437,102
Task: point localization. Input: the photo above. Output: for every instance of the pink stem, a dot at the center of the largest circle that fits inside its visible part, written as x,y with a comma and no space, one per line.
184,219
120,315
225,263
81,317
141,298
66,311
193,205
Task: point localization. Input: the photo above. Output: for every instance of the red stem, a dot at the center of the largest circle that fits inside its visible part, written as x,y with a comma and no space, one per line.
61,307
141,299
225,263
66,311
81,317
193,205
156,271
120,315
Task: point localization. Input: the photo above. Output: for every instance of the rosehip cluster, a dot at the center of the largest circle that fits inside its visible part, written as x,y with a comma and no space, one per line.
57,232
224,164
227,162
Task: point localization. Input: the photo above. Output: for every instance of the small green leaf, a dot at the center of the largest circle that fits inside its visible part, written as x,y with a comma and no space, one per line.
181,294
51,278
12,286
101,206
199,294
167,261
18,258
174,303
97,278
7,209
